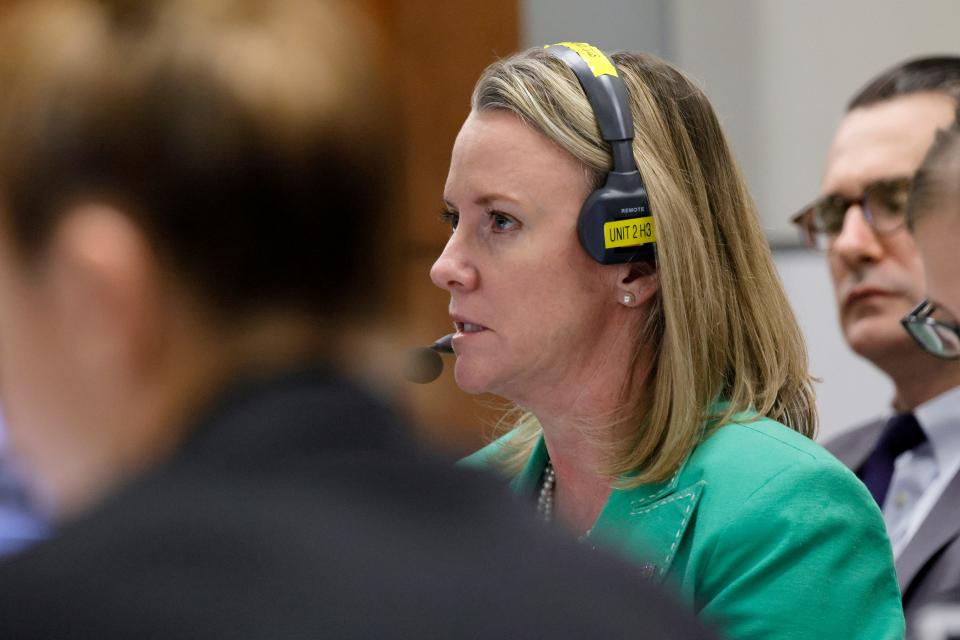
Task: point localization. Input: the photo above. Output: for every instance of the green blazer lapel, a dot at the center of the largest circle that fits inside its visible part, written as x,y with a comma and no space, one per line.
648,523
528,480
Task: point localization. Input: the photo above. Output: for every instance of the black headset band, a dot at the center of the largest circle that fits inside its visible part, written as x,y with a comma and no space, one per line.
615,223
608,97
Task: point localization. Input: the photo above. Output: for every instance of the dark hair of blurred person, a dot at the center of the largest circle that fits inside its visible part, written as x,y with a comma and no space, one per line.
189,199
910,457
192,171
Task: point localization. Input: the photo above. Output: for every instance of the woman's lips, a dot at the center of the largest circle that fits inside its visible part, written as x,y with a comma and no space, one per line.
468,327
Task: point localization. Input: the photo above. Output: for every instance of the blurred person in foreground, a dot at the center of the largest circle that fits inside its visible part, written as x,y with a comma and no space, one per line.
189,200
664,405
910,459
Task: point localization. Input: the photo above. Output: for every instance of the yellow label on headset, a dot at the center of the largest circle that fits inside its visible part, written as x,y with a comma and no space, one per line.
632,232
598,62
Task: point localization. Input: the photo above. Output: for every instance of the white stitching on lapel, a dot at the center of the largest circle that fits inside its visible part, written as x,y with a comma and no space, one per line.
683,495
665,488
690,494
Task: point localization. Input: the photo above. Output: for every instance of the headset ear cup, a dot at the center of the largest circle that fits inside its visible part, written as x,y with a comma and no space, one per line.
620,205
590,226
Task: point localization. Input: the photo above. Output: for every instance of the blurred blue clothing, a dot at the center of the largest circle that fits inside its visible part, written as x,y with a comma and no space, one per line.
20,521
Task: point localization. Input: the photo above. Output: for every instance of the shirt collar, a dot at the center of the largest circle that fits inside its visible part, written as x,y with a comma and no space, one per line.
940,419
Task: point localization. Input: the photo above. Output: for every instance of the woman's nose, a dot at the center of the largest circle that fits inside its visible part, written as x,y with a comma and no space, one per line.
453,270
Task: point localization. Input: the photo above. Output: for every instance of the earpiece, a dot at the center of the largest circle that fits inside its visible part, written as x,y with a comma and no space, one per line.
616,224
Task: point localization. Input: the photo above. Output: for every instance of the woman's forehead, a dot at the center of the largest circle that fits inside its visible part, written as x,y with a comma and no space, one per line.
496,152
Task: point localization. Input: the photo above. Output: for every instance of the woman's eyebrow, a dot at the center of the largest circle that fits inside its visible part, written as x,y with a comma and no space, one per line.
487,199
498,197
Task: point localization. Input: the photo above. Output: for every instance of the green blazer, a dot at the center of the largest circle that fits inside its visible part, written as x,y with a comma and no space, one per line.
763,531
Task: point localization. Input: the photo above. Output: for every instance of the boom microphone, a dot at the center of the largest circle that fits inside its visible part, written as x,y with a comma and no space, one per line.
424,364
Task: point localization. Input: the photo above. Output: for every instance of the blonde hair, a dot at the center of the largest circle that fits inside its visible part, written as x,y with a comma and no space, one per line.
720,326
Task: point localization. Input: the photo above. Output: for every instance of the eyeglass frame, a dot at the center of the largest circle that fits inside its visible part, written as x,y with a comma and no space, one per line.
920,315
802,219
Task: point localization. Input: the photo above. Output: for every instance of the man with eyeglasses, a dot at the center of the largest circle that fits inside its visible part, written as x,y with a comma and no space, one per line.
910,459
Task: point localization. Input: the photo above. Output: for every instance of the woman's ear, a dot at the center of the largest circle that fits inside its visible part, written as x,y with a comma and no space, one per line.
638,282
106,281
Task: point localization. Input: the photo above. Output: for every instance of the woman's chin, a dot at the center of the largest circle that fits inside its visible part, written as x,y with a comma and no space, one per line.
470,379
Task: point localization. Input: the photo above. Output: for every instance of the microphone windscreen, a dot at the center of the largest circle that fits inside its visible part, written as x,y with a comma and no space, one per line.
423,365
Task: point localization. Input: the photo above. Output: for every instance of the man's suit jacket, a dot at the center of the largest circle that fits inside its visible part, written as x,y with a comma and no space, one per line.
930,563
297,509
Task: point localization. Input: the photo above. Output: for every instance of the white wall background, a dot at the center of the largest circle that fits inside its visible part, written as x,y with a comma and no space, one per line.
779,73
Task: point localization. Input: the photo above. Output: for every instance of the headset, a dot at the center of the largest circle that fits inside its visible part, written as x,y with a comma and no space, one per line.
615,224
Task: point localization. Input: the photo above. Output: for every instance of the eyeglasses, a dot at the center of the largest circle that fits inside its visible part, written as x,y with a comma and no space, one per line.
940,338
884,206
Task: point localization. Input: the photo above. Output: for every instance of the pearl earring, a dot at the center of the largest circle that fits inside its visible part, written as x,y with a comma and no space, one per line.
629,299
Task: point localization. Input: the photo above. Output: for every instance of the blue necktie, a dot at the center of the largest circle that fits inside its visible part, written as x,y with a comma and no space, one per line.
902,433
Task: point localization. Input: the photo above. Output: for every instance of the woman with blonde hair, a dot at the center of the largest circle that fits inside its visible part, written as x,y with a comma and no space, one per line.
608,275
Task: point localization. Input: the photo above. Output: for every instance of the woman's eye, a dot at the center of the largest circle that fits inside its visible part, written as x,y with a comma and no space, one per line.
450,218
502,222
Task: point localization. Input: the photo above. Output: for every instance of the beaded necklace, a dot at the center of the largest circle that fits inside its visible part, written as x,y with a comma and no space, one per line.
545,499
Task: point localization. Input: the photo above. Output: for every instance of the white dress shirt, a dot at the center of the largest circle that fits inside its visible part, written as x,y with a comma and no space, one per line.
921,474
